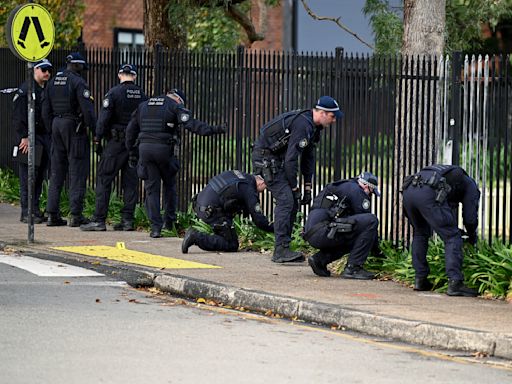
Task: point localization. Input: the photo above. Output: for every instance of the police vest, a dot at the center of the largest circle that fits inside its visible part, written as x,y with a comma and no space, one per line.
226,184
128,98
153,119
62,97
277,131
327,198
453,174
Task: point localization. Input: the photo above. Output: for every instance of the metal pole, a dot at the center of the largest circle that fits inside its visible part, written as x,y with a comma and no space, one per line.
31,147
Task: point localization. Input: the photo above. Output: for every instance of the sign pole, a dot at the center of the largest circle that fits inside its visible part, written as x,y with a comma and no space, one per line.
31,149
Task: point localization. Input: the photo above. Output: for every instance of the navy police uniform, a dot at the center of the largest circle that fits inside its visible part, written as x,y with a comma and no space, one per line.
430,199
42,143
226,195
117,107
156,128
68,110
340,222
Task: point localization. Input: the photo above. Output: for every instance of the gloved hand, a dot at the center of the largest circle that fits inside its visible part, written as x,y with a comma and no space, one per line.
133,159
98,146
306,199
223,128
297,195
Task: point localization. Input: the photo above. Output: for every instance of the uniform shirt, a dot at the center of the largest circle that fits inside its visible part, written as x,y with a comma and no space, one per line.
20,110
357,200
118,106
245,193
171,111
67,94
303,138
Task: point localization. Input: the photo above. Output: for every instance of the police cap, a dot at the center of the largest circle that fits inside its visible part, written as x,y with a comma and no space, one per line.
43,64
130,69
76,58
178,93
369,179
328,104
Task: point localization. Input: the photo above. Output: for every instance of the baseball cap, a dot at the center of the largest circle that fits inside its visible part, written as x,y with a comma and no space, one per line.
327,103
76,58
179,93
371,181
128,68
45,63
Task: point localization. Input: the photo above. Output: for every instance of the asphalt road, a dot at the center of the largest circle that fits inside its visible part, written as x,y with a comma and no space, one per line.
92,329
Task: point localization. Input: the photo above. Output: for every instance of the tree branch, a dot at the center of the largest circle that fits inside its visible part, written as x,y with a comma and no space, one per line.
335,20
241,18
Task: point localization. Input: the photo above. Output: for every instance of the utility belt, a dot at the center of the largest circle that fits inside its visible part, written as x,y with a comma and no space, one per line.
67,116
337,225
210,210
267,168
436,182
117,135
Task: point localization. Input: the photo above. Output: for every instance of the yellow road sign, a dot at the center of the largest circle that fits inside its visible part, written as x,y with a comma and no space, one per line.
30,32
120,253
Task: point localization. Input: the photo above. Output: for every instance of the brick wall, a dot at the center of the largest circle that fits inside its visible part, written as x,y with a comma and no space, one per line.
102,16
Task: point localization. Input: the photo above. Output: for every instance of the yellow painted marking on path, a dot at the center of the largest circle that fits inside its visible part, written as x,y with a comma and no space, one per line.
120,253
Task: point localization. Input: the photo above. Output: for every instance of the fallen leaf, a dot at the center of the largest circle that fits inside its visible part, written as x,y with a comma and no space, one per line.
98,300
67,282
201,300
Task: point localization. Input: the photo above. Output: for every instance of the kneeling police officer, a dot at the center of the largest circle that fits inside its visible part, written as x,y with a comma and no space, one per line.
341,221
431,198
226,195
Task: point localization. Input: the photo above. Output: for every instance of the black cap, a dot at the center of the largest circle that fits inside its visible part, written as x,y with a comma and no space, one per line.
370,180
128,68
45,63
327,103
76,58
179,93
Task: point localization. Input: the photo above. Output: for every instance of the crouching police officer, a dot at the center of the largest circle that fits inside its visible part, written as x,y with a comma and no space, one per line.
431,198
67,111
340,221
226,195
276,157
155,128
118,106
42,72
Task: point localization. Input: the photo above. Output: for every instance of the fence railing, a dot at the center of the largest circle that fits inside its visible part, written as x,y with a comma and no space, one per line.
400,114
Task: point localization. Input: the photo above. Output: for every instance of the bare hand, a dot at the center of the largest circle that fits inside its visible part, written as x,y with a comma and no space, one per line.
23,146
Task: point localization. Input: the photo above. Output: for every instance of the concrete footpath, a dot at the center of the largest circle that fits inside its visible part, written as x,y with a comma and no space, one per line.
250,280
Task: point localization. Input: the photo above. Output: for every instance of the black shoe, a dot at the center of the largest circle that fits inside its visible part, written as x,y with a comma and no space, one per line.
283,254
422,284
317,266
457,288
168,225
124,225
356,272
94,226
55,221
188,240
77,221
37,219
155,234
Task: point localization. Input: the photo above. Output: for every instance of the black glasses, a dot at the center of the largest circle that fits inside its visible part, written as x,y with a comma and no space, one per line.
44,70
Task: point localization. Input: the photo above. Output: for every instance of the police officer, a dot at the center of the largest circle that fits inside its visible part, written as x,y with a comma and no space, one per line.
42,72
340,221
156,128
226,195
68,111
117,108
275,156
431,198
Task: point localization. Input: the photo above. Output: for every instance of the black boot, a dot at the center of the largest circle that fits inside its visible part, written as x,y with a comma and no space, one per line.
155,233
37,219
124,225
94,226
168,225
318,265
188,240
457,288
356,272
54,220
283,254
422,284
78,220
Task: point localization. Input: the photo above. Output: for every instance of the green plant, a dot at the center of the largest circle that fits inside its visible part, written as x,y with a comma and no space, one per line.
9,186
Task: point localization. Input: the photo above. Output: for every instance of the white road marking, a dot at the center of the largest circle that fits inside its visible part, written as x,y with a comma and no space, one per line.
45,268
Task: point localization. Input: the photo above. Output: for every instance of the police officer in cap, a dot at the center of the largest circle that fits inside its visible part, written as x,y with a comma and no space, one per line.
282,142
68,112
226,195
431,198
340,222
155,128
117,108
42,72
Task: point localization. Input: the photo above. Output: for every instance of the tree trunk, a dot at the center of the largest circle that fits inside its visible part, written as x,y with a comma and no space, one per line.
157,28
423,41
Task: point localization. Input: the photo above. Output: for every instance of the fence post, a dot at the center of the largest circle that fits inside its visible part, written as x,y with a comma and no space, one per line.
240,53
338,89
455,107
157,68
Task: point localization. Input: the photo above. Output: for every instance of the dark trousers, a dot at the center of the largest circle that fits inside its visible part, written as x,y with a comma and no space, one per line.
70,153
157,165
113,160
40,175
224,237
359,242
285,209
425,215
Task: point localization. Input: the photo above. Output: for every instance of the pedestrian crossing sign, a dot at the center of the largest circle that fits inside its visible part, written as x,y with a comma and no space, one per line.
30,32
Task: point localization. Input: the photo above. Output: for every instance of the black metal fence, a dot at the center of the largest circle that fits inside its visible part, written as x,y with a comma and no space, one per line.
400,114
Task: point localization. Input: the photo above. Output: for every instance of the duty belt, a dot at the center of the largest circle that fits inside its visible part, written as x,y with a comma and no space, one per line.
436,182
118,135
210,210
170,142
